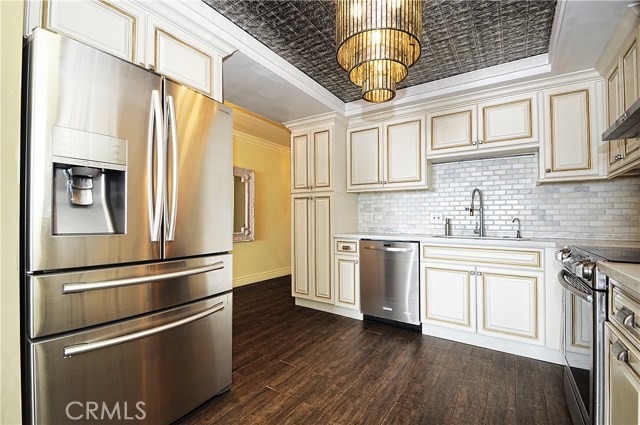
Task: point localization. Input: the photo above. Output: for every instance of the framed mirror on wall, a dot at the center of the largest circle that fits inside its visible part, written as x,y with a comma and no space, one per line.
243,204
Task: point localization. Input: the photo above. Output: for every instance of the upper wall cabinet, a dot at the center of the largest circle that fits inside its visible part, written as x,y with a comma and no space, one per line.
623,88
493,127
572,133
114,28
317,159
182,57
387,156
137,35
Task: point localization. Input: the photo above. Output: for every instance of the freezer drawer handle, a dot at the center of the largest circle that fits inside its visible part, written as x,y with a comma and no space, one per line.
72,288
74,350
375,248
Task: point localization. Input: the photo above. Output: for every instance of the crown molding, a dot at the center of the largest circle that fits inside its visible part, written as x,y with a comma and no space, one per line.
257,141
329,118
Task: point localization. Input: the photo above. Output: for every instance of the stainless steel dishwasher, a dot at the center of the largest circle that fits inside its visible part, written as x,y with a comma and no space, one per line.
389,280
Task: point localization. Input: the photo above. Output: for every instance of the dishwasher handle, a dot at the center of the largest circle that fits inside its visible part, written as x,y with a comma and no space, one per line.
388,249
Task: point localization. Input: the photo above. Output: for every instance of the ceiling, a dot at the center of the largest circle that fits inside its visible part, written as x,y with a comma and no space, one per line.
459,36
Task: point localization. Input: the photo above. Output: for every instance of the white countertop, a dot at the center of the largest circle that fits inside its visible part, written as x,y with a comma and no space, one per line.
626,274
475,241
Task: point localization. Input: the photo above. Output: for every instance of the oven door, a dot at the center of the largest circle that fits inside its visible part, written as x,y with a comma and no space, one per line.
578,348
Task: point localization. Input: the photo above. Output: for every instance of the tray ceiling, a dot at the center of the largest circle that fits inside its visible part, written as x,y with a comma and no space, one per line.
459,36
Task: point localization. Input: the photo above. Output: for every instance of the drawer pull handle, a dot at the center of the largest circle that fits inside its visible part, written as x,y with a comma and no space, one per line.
73,350
346,247
72,288
620,352
626,317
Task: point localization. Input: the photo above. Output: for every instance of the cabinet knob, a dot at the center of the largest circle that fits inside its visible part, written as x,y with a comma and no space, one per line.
480,142
472,273
356,262
618,157
548,170
474,142
311,187
479,273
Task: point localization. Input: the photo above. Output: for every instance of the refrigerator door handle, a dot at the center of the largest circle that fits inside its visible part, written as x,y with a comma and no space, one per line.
170,123
73,288
73,350
155,205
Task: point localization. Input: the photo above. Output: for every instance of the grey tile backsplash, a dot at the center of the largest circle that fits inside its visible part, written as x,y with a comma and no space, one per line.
608,209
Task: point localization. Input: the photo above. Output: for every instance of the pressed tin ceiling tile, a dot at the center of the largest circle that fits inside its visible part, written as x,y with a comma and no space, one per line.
458,36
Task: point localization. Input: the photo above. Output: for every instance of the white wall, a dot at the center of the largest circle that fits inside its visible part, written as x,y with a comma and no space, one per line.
611,208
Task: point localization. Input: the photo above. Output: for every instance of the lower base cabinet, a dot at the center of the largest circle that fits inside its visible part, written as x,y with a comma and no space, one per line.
502,303
347,279
622,379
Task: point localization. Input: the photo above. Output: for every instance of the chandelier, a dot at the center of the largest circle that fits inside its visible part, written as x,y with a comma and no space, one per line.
378,40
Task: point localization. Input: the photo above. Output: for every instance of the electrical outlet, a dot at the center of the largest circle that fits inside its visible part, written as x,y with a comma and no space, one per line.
368,217
436,218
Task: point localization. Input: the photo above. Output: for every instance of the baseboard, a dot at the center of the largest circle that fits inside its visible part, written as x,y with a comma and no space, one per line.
259,277
329,308
521,349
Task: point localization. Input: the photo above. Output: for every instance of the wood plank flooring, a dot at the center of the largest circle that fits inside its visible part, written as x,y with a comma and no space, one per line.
293,365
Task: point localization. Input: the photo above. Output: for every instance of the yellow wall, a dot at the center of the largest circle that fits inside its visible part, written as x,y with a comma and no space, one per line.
263,146
11,15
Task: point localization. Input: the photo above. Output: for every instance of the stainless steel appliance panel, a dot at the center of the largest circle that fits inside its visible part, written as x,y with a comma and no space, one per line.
69,301
199,202
389,286
171,361
73,86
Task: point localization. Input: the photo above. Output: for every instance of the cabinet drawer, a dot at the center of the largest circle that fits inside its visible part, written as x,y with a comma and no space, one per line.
350,247
498,256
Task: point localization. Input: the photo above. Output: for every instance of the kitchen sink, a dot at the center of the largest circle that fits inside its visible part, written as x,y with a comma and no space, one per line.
490,238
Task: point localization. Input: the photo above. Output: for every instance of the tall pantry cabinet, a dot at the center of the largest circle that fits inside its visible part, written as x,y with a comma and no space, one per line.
320,206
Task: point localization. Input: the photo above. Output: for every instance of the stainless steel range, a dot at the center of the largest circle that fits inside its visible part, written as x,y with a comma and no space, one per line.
585,313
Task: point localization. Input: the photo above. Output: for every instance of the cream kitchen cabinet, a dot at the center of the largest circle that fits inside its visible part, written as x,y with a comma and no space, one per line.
311,253
313,159
387,156
449,296
509,304
135,33
114,27
622,379
173,52
623,89
486,128
347,274
572,133
495,292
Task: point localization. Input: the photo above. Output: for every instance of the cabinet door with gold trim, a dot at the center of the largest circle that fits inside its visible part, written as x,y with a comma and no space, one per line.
300,157
449,296
452,130
507,121
301,252
107,26
322,152
510,304
571,143
347,279
364,158
614,108
322,248
180,56
405,162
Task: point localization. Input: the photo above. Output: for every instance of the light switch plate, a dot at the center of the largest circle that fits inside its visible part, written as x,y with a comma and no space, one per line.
436,218
368,217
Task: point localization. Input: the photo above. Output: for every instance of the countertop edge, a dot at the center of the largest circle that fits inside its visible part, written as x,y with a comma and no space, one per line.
626,274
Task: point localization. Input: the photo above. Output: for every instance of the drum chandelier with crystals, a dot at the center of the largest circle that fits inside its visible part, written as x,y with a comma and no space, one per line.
378,40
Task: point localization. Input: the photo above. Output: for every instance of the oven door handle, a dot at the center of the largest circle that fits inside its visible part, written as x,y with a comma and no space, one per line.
575,291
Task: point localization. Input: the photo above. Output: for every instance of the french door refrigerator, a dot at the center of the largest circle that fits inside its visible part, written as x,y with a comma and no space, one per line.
127,234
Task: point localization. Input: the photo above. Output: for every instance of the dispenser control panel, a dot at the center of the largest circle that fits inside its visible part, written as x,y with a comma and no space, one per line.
77,147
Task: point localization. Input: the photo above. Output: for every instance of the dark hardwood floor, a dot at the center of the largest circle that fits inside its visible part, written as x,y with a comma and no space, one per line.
293,365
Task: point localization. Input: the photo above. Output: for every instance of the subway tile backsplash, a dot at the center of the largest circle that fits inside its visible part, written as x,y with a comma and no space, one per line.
608,209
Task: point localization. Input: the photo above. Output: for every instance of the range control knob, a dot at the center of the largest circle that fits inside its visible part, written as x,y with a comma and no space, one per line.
563,254
586,269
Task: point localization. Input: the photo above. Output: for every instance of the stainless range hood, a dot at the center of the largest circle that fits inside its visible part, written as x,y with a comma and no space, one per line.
627,126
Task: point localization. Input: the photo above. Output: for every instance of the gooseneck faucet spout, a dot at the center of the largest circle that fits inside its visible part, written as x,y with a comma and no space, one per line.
480,225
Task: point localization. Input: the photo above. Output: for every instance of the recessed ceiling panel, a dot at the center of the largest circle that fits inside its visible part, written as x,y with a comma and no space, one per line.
459,36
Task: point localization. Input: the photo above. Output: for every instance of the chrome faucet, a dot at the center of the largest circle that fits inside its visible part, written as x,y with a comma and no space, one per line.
518,235
480,224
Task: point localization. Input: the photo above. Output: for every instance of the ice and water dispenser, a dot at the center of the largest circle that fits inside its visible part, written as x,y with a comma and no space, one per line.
89,182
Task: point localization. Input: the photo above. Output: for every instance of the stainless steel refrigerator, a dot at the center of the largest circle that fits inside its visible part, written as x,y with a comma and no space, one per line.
127,239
